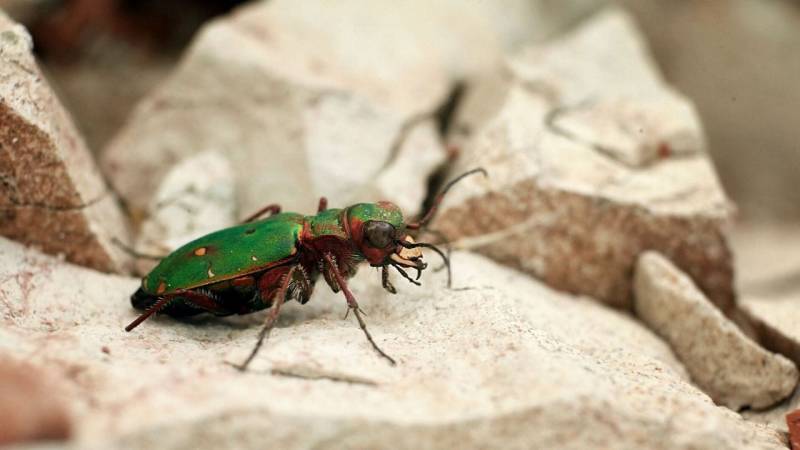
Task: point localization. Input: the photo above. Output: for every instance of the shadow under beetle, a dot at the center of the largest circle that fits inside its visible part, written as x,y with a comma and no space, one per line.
262,263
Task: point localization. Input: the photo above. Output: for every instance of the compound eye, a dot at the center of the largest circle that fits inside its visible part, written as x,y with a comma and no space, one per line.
379,234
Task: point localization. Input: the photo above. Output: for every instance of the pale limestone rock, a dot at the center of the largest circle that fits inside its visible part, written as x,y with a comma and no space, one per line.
313,99
294,98
727,365
767,267
774,322
30,410
195,198
506,363
51,193
591,159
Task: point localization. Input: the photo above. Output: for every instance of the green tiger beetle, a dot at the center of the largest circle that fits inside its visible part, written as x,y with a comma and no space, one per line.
262,263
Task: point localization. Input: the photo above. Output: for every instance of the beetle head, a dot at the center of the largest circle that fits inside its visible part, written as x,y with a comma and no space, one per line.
379,233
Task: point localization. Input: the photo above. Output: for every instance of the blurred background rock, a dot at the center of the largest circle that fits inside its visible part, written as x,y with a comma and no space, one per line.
739,60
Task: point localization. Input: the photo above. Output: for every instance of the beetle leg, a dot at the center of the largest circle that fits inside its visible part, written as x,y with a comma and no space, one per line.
323,204
272,316
353,305
385,280
132,252
272,209
204,300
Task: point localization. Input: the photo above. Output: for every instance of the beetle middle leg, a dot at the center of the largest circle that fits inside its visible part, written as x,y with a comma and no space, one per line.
272,317
353,305
271,209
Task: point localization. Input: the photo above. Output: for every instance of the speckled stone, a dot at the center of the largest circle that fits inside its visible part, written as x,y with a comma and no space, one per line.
592,159
726,364
502,361
51,193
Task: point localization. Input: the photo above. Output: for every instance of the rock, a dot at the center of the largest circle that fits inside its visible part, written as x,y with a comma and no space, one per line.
767,266
30,405
793,422
51,193
592,159
744,106
312,100
502,361
284,92
196,198
727,365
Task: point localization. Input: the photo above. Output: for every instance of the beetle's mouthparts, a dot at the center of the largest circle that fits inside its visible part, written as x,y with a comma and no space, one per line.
409,257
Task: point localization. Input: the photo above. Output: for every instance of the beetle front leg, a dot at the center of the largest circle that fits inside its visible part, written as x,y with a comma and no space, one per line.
353,305
323,204
269,321
385,280
272,209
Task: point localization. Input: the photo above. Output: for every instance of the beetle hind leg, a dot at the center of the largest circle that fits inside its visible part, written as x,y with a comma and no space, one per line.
180,303
272,317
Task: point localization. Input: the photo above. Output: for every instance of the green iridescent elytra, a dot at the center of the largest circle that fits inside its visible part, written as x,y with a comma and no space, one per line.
226,254
252,247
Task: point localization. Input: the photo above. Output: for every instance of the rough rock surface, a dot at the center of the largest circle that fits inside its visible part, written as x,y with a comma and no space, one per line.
332,91
51,193
592,159
195,198
293,97
730,367
506,362
767,267
773,320
28,408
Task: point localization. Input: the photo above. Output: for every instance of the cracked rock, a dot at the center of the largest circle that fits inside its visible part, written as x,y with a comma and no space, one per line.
591,377
592,159
51,193
726,364
195,198
293,98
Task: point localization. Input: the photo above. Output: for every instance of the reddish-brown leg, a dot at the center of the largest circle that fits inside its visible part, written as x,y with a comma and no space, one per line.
269,321
385,280
272,209
323,204
203,300
353,305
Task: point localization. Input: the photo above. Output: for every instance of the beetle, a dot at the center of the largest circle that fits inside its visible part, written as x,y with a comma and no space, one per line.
263,262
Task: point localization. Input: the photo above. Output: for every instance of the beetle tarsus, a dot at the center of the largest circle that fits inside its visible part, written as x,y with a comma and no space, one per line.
353,304
270,320
363,326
